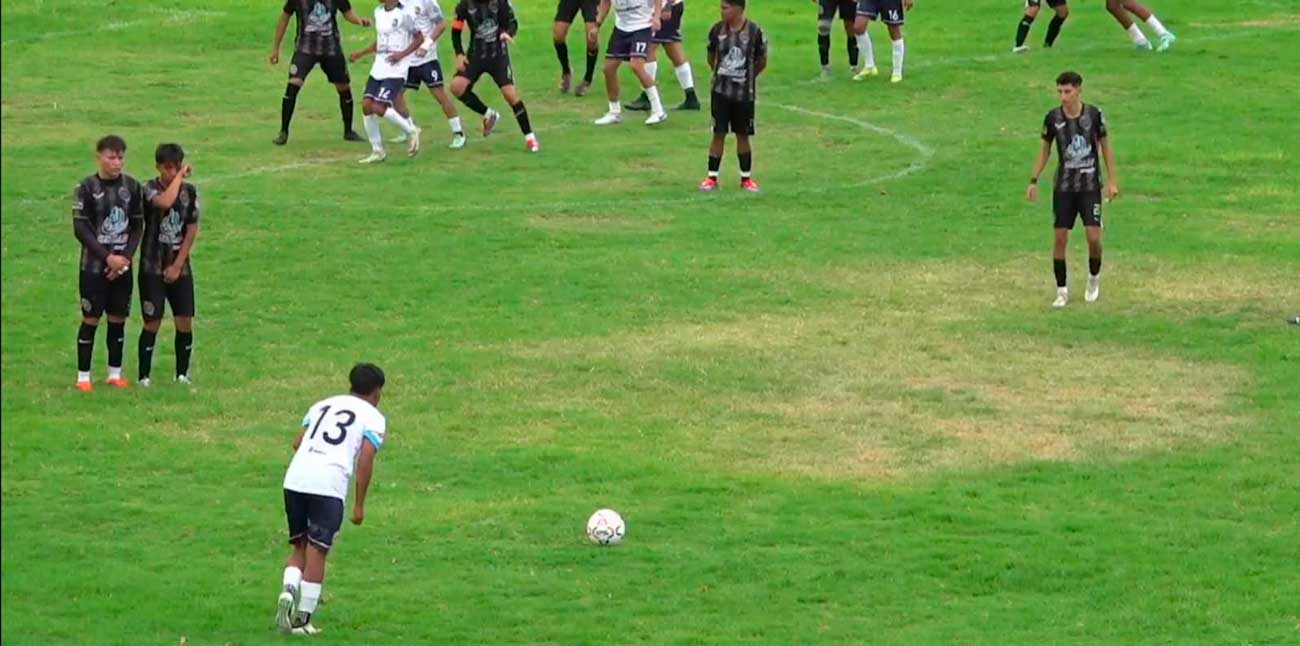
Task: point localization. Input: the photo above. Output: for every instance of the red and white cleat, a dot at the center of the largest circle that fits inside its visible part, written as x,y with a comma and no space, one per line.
749,185
709,185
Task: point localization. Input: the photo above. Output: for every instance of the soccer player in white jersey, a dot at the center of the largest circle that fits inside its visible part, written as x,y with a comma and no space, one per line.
396,39
634,22
338,434
426,69
669,35
1121,11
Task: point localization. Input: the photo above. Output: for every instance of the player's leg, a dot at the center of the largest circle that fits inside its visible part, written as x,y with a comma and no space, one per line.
511,95
414,76
299,67
180,295
336,70
1143,13
893,19
720,111
593,55
462,86
560,35
851,45
742,123
1065,210
642,102
637,61
825,18
448,110
325,517
391,90
152,303
1032,7
682,68
370,117
1117,11
94,296
1054,27
117,308
613,58
866,51
1092,227
295,514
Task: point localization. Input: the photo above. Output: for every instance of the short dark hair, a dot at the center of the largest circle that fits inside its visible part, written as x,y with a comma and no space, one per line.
111,142
1070,78
736,3
168,153
366,378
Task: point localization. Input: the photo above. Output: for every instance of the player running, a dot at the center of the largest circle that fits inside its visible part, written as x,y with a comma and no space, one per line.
669,35
108,220
634,22
425,68
171,219
737,55
339,435
847,9
492,27
565,12
317,41
1121,9
396,39
1079,131
1032,7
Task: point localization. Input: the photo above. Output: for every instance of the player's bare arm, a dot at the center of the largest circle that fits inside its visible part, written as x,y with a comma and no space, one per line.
760,64
297,441
457,29
1112,185
410,49
601,12
173,271
365,466
280,28
352,17
165,199
1044,153
361,53
655,22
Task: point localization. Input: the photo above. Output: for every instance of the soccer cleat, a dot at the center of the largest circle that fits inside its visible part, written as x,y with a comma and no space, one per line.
582,88
641,104
144,382
709,185
691,103
531,144
656,118
1294,320
374,157
413,147
1166,41
750,185
399,139
609,118
565,79
457,141
490,121
352,135
284,610
826,73
85,386
1062,297
896,77
1019,49
866,73
117,382
1144,46
281,139
184,380
1091,294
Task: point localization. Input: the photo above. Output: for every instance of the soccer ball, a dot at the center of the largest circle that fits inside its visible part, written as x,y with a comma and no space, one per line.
605,527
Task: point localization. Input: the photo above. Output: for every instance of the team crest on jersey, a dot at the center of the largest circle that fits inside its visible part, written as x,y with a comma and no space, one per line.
86,305
148,308
293,69
124,195
184,198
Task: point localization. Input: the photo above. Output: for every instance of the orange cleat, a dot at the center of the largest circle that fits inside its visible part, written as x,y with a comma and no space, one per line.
709,184
85,386
119,382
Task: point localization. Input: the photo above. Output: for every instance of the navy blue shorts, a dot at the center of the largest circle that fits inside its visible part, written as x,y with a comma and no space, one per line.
889,12
383,90
670,31
625,45
313,518
430,74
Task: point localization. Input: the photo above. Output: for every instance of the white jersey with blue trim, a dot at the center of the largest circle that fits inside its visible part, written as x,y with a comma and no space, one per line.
394,31
428,15
333,431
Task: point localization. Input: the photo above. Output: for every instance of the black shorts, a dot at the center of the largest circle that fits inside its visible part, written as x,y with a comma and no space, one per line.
99,294
429,74
335,66
625,45
1085,205
846,8
889,12
313,518
497,67
155,293
670,31
730,115
567,10
384,90
1051,3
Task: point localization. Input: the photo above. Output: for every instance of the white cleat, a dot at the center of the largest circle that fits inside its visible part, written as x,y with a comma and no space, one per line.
610,118
399,139
1144,46
896,77
1166,41
1020,49
413,146
284,611
826,74
184,380
457,141
532,144
1094,289
1062,297
656,118
374,157
144,383
305,629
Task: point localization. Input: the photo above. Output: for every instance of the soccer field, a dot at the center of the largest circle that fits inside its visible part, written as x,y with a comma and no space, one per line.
840,411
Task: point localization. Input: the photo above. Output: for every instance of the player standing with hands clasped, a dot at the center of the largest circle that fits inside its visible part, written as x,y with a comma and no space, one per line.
1079,131
737,55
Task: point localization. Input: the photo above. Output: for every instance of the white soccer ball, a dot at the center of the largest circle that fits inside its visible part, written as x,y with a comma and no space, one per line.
606,527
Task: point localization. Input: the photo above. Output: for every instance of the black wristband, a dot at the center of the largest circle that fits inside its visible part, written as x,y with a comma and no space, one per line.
1033,180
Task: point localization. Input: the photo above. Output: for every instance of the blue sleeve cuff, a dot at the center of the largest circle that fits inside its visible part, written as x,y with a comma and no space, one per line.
374,439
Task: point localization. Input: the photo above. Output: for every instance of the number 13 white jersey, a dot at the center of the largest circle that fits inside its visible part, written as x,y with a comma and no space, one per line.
334,429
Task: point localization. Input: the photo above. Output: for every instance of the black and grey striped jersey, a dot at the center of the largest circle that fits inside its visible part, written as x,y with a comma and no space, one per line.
1078,144
164,230
486,21
736,56
111,209
318,26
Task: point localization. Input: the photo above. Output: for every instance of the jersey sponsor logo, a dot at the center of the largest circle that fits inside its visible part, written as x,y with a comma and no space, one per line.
184,197
318,21
487,30
169,230
733,64
112,231
1078,155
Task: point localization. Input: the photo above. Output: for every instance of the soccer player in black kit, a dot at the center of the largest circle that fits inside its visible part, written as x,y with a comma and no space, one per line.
737,55
317,41
171,218
492,28
107,219
1079,131
1032,7
565,12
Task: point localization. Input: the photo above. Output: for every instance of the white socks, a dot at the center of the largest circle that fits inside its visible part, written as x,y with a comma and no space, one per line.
868,54
292,577
310,596
1154,23
115,373
83,376
373,134
652,68
454,122
656,106
684,76
898,56
398,120
615,107
1136,34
